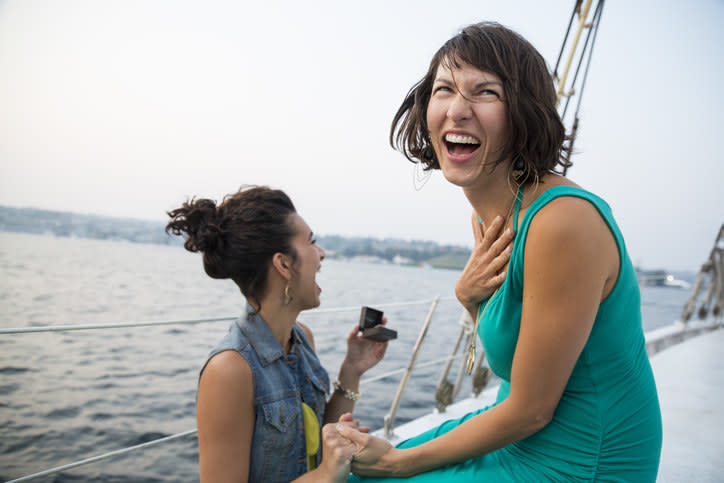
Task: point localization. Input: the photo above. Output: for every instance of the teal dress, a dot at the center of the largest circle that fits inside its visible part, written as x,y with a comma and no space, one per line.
607,425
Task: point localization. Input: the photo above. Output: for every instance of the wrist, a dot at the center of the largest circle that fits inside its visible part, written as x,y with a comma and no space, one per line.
348,374
398,464
347,393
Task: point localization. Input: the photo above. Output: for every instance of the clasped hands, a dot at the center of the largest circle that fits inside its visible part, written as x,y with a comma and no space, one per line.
348,447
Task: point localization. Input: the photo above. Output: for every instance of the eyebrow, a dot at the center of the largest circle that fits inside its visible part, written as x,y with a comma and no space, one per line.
311,235
477,86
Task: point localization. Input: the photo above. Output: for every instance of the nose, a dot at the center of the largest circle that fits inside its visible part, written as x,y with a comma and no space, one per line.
459,108
322,254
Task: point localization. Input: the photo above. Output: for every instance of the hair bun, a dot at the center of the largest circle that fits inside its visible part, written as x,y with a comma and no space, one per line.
198,220
207,233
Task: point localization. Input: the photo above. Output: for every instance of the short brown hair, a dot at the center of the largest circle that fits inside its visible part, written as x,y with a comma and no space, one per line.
536,131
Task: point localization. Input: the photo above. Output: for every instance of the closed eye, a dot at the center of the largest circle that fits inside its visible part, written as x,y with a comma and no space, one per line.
441,89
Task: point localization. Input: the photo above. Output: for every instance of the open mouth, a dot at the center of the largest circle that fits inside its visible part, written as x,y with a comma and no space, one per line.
461,145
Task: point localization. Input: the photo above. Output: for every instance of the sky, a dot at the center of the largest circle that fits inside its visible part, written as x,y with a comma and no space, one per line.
126,108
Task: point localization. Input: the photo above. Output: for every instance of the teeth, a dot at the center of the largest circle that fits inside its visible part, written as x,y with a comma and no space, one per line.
460,139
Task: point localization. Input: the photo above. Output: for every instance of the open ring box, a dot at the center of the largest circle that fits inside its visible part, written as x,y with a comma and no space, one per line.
369,323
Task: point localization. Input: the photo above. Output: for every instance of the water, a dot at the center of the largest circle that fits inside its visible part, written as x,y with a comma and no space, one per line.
70,395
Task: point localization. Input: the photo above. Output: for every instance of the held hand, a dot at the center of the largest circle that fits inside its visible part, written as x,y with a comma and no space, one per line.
337,454
488,263
373,456
363,354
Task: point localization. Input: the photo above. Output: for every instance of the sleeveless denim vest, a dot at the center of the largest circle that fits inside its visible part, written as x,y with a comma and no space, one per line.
281,382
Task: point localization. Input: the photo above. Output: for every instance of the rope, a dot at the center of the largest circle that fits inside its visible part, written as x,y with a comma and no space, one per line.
596,21
93,459
565,37
63,328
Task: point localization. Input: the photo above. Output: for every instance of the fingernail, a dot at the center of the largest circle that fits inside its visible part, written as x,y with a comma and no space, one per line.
340,428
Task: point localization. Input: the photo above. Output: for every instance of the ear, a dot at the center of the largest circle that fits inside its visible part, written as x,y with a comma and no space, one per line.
283,265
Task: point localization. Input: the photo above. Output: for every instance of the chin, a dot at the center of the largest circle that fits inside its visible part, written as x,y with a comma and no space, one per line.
456,180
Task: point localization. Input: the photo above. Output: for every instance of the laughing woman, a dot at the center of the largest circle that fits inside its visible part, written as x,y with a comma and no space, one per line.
262,396
558,311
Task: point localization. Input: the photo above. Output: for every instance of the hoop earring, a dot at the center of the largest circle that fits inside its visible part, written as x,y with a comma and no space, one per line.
420,176
287,298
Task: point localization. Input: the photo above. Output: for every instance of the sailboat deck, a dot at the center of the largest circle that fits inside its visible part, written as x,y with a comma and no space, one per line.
690,381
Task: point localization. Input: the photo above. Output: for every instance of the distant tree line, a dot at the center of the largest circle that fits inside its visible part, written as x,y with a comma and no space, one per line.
389,249
66,224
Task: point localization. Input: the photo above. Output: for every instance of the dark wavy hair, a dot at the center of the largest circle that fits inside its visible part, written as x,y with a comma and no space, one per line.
239,236
536,132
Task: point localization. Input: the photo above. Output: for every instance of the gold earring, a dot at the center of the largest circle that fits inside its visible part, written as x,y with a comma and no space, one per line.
519,168
287,297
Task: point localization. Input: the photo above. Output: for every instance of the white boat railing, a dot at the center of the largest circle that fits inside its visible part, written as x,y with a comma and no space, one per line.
389,418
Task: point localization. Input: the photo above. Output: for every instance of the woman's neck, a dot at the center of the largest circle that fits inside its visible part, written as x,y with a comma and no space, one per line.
280,318
493,200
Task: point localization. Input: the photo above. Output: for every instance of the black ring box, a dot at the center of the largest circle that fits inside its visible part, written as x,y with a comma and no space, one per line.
369,323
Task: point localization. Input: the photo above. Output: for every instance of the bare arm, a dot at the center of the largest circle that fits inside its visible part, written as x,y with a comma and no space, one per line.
225,418
571,263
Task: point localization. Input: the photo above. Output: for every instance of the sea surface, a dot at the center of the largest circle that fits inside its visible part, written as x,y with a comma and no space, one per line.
66,396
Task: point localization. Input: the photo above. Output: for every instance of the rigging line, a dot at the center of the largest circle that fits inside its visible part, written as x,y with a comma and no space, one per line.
596,23
586,51
63,328
93,459
565,38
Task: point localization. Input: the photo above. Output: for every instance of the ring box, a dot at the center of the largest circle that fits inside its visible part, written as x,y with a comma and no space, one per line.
369,323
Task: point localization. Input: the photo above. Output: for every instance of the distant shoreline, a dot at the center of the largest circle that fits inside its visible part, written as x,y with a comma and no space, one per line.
98,227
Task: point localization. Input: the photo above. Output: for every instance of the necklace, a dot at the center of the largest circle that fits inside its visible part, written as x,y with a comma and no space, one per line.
470,360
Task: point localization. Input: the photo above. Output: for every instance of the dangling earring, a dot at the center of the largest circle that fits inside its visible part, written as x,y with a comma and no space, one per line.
518,168
419,176
287,297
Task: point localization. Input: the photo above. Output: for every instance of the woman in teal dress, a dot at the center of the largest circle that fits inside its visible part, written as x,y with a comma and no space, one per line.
549,283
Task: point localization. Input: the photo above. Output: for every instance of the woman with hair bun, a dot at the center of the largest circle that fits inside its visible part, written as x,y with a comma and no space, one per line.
549,284
262,404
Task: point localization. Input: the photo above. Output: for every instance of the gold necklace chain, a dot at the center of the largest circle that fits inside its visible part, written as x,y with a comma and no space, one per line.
470,360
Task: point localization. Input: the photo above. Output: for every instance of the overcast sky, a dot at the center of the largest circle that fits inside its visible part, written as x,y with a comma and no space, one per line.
127,107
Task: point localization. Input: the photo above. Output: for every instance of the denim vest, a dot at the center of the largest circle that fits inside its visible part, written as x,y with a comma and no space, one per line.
281,382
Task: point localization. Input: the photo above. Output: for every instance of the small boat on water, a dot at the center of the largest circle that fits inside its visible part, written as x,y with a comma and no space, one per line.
660,278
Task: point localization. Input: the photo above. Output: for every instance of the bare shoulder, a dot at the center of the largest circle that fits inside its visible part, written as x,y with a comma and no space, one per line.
570,232
568,215
225,368
308,332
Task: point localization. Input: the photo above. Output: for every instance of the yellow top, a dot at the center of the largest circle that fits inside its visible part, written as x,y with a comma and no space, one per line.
311,434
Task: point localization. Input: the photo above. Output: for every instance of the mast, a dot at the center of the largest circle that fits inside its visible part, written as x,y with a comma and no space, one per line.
580,55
